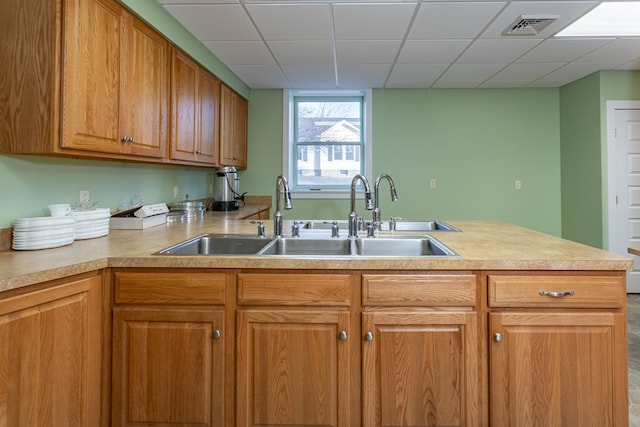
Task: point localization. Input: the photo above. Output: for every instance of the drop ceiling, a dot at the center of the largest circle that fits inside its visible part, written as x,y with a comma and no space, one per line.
305,44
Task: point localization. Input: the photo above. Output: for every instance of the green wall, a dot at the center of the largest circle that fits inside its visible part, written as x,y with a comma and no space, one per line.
475,143
584,151
28,184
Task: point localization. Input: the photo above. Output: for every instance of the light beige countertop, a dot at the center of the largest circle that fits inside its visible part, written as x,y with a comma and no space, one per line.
481,245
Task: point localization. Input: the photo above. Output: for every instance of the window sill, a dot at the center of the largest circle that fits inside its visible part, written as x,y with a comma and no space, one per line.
322,194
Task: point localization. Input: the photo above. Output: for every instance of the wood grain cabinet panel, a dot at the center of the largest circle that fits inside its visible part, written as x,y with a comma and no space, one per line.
233,128
50,357
558,369
168,367
293,368
115,82
195,112
421,362
558,350
420,369
171,360
83,78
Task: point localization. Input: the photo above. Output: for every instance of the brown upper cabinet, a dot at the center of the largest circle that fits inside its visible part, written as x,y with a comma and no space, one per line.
86,78
195,109
233,129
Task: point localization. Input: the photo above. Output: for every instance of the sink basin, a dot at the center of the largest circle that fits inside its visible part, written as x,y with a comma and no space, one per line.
299,246
402,225
218,244
401,247
231,244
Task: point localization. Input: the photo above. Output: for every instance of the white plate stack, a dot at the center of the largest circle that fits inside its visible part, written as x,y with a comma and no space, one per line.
90,224
42,232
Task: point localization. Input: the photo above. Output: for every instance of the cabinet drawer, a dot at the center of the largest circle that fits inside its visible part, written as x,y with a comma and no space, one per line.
557,291
444,290
169,288
294,289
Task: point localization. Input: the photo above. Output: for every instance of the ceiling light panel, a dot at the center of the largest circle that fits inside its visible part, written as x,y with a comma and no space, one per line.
607,19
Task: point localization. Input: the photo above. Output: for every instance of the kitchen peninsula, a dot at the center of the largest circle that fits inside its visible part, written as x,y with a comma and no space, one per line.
520,328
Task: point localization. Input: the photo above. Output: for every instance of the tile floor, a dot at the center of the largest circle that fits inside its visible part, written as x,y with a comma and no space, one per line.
633,318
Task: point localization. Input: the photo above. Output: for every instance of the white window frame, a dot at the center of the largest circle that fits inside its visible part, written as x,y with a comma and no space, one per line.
288,157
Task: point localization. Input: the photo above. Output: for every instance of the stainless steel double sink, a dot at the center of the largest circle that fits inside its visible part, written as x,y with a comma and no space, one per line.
312,245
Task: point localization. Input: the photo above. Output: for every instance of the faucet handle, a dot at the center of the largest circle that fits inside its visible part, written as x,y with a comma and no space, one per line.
295,229
260,227
335,229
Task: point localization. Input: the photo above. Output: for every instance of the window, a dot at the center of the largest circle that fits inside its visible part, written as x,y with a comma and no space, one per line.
327,140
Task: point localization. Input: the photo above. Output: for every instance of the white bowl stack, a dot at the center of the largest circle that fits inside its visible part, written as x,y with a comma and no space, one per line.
42,232
90,224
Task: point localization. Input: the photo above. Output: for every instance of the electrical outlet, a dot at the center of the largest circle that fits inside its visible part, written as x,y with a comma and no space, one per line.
432,183
210,189
84,195
518,184
176,191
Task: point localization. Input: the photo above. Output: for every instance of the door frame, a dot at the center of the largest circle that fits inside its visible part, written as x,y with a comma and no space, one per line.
612,177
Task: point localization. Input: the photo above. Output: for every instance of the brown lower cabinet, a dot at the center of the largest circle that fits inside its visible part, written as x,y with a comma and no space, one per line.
169,341
558,350
355,348
50,353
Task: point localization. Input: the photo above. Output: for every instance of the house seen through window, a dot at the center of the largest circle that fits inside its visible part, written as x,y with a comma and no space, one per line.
327,142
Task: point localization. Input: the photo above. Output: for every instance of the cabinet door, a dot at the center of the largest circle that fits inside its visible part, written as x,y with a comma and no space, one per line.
233,128
209,118
168,367
293,368
557,369
184,106
94,34
50,356
420,369
144,94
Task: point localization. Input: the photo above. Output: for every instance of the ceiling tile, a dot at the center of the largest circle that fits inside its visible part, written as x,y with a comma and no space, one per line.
361,21
453,20
473,73
415,75
215,22
310,52
617,50
497,50
292,22
367,51
241,52
576,70
362,76
527,71
261,75
321,44
431,51
310,76
562,50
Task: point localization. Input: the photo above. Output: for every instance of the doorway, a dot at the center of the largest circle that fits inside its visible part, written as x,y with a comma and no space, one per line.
623,173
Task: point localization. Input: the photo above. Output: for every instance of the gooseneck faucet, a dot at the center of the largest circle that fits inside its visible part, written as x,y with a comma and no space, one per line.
281,180
353,216
376,203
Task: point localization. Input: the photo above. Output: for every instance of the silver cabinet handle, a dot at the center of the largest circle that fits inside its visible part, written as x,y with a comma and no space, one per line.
343,335
368,336
497,337
217,334
554,294
127,138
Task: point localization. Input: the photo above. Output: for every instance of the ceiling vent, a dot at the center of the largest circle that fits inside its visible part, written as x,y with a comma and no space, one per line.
529,25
